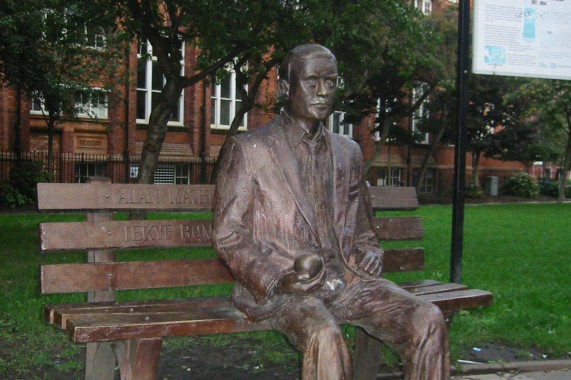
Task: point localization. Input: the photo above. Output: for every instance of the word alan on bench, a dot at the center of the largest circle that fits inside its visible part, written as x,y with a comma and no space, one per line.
155,194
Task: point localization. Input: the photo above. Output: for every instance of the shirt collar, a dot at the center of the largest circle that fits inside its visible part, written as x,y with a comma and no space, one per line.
296,133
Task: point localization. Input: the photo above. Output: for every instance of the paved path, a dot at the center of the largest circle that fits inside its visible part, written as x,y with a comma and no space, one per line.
530,370
541,375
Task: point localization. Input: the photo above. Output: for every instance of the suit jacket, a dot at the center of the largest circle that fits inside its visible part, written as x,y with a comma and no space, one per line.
263,219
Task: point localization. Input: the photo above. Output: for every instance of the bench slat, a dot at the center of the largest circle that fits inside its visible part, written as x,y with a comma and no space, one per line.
58,315
72,278
418,284
403,260
188,318
399,228
125,234
179,323
462,299
393,198
175,233
102,196
69,278
437,288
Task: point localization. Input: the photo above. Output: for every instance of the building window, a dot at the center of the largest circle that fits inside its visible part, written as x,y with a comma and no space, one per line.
85,170
150,82
420,113
427,185
92,104
178,174
37,107
394,179
225,102
95,37
425,6
164,174
336,124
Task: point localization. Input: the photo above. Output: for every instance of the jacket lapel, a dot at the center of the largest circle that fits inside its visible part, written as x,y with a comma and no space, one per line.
285,160
341,177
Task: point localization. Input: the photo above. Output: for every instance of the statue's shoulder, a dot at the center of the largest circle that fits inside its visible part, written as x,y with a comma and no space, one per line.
344,143
262,135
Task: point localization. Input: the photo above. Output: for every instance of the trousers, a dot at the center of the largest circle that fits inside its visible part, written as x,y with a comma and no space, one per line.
414,329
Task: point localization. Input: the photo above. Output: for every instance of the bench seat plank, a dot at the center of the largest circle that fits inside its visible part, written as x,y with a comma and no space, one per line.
457,300
194,316
203,321
59,314
437,288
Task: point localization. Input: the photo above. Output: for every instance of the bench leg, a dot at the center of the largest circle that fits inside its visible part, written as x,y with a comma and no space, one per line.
99,361
368,355
448,315
138,359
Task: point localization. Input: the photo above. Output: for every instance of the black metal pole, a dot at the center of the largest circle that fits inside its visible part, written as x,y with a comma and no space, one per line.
126,155
203,174
462,72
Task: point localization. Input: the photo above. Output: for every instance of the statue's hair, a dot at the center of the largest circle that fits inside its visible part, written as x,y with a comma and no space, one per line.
302,52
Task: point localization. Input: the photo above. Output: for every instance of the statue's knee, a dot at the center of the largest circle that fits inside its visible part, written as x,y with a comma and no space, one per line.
326,335
429,319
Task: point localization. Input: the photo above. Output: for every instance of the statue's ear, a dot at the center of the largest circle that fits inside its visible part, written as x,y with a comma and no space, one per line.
283,89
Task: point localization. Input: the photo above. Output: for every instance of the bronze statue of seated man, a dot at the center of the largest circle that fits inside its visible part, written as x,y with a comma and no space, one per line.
293,225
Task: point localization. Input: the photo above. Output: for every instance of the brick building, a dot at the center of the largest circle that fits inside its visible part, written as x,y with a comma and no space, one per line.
110,145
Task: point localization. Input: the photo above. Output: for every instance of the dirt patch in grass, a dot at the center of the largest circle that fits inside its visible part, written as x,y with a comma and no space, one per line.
243,359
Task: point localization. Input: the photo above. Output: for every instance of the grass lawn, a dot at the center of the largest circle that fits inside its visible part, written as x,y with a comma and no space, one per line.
519,252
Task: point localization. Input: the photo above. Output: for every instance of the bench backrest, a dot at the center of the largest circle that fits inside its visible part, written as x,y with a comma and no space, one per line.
100,236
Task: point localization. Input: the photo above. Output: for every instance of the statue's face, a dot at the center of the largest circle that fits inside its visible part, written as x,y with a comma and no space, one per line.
312,87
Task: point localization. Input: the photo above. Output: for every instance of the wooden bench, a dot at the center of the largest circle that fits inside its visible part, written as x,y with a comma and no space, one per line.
129,334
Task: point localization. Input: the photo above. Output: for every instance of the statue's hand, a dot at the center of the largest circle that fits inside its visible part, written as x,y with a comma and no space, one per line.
308,275
372,263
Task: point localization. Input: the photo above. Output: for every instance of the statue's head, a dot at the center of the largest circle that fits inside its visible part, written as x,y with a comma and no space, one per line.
308,80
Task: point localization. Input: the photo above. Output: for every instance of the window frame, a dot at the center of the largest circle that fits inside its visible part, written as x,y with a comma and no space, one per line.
427,185
393,180
150,63
91,111
90,169
339,128
216,100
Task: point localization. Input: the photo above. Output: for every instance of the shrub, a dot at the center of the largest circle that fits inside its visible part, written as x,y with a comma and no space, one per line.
21,190
10,197
522,185
551,188
473,190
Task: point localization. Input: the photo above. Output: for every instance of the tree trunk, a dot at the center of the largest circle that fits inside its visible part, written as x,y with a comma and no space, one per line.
566,165
432,148
476,166
51,129
157,129
379,147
